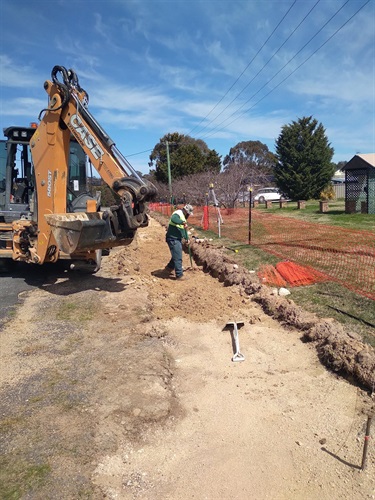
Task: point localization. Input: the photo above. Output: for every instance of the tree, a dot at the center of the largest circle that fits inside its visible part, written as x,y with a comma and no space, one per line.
187,156
231,185
108,197
193,188
304,168
254,159
338,166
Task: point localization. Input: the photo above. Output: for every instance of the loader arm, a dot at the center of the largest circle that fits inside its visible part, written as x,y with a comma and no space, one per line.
67,113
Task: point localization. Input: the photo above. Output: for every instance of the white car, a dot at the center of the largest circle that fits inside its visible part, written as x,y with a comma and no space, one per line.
268,194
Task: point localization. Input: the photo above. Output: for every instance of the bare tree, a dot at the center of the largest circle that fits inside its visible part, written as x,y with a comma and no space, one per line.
194,188
231,186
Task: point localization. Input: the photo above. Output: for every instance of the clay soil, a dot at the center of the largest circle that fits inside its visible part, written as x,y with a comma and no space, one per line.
121,385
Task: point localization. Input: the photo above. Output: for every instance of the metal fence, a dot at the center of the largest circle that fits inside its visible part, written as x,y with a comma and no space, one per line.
339,190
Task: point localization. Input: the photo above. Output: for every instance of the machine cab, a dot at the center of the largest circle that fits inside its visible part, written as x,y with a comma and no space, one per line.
16,173
17,181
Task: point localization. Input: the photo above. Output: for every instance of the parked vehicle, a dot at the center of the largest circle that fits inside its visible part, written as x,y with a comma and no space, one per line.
268,194
338,180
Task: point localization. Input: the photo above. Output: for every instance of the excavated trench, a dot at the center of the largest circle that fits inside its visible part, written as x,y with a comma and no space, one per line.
341,351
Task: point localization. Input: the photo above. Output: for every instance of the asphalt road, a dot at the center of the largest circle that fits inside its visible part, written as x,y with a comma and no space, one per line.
19,278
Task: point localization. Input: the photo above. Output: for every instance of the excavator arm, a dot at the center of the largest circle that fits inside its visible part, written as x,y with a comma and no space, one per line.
67,114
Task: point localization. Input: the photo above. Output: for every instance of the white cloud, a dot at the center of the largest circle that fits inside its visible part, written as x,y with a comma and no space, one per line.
23,107
153,67
13,75
124,98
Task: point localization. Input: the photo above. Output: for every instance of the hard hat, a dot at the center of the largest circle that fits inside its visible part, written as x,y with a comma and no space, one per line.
188,209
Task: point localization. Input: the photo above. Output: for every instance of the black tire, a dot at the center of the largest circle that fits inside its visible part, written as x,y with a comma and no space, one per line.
262,199
87,267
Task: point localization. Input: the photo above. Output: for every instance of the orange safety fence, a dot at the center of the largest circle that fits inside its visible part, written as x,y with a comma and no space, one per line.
269,275
336,253
297,275
163,208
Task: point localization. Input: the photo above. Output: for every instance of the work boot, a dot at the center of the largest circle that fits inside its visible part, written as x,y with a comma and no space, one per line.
182,278
168,271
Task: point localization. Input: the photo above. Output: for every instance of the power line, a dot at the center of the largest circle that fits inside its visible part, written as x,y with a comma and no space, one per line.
286,64
140,152
214,131
252,60
273,55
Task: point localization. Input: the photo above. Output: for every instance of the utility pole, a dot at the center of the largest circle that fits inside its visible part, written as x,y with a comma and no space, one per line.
169,174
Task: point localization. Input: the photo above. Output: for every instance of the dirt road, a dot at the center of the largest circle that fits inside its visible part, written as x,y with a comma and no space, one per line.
122,386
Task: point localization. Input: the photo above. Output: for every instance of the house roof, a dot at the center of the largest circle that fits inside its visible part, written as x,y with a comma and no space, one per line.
361,161
369,158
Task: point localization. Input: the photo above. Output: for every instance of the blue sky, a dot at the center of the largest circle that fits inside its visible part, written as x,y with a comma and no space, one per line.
222,71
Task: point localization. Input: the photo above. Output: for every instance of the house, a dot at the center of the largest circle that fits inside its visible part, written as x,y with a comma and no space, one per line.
360,184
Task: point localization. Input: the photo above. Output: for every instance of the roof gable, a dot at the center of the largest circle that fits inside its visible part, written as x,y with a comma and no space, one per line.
361,161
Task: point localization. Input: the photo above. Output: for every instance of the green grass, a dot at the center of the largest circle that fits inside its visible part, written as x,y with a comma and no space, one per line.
17,478
330,299
75,311
8,423
336,215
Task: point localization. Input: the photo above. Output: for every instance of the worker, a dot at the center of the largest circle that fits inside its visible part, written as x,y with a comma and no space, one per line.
177,231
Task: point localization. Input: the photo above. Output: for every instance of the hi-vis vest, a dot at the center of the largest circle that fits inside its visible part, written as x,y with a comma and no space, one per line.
176,225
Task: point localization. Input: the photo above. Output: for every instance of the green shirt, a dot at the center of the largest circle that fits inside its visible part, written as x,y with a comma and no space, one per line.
176,228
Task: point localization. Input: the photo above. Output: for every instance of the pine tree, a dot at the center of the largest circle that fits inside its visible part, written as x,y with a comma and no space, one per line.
304,155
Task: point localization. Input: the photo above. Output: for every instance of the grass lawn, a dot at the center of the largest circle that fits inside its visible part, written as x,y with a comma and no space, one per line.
335,216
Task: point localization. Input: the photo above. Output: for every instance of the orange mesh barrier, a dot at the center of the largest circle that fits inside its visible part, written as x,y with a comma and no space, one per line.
163,208
297,275
270,276
343,255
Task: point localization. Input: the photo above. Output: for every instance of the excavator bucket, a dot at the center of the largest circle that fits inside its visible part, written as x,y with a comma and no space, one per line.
81,231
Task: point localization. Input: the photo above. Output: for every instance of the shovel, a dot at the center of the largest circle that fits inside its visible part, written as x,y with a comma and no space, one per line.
237,355
187,239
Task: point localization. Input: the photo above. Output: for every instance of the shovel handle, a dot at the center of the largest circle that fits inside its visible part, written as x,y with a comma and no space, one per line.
187,239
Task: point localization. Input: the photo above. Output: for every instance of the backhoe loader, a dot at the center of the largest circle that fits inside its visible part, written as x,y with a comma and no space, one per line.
46,212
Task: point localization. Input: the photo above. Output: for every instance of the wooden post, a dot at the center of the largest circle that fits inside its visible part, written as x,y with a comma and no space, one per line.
350,207
323,206
365,446
364,209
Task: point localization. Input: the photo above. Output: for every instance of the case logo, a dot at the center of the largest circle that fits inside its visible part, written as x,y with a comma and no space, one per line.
87,139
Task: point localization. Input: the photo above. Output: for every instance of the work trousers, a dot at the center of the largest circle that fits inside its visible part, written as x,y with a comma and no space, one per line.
175,247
